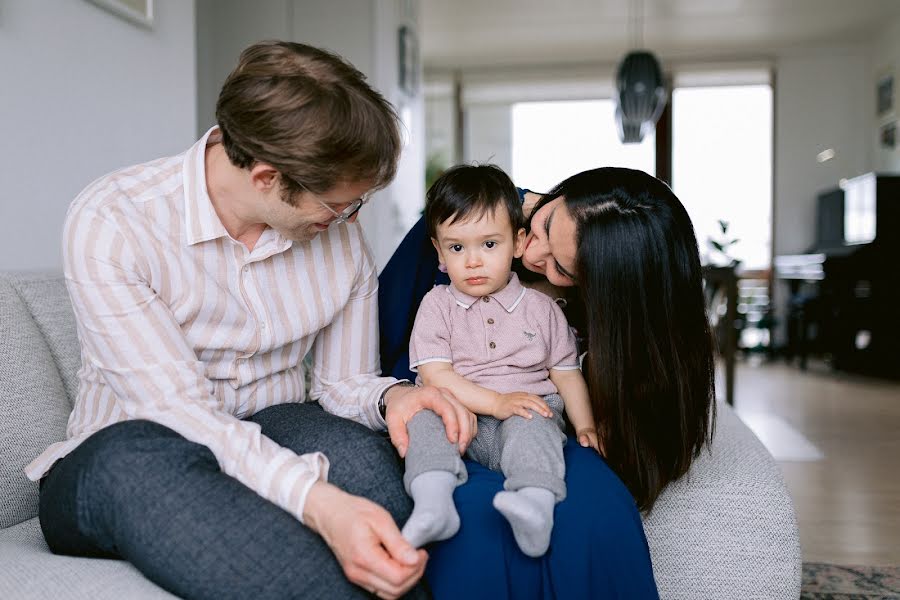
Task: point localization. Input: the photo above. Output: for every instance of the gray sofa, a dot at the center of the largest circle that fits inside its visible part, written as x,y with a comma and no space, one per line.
726,530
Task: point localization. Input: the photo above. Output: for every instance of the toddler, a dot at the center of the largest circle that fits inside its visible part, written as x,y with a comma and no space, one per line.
505,352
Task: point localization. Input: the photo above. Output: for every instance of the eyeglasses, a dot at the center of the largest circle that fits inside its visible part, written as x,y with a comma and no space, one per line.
346,214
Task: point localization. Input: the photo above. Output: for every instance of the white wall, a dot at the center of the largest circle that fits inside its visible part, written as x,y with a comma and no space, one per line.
224,29
488,134
365,32
823,99
83,92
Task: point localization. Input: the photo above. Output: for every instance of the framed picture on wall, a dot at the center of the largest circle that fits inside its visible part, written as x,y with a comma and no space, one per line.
139,12
885,95
888,135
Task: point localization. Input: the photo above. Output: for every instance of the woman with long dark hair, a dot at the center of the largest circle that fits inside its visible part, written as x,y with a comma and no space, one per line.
618,248
649,361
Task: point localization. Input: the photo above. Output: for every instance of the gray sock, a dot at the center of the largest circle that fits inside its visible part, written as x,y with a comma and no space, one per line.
434,515
530,513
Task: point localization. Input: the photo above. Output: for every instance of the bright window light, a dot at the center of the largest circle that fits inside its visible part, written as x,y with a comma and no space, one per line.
554,140
722,167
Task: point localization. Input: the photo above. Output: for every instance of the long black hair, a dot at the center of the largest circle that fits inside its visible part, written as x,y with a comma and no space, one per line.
649,364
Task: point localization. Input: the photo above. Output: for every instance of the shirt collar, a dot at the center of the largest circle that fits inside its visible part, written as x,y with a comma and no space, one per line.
201,221
509,297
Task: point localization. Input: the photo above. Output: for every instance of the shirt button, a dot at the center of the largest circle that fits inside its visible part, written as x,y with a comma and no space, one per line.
485,299
246,268
490,321
492,345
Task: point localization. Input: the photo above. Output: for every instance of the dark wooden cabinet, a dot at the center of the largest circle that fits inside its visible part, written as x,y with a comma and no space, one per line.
845,298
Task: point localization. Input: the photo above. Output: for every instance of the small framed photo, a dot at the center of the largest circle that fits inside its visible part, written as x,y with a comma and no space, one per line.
139,12
888,135
885,103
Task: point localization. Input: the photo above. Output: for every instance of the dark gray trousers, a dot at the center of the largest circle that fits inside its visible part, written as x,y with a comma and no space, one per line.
138,491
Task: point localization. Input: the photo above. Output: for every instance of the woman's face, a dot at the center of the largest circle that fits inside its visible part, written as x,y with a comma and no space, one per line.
550,247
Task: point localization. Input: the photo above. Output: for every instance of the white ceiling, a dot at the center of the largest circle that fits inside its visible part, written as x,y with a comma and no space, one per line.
490,33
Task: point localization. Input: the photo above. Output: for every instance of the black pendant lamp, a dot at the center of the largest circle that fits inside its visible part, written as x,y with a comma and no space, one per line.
640,94
629,131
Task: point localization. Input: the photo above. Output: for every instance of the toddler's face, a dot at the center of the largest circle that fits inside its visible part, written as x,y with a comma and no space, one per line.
478,252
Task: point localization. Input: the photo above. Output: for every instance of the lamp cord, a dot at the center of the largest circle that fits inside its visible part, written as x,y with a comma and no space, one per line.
636,23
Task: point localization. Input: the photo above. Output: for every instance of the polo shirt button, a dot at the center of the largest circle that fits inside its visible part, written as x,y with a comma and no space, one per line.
490,321
492,345
485,299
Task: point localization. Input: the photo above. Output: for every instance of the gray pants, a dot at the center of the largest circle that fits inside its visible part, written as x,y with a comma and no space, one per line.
529,452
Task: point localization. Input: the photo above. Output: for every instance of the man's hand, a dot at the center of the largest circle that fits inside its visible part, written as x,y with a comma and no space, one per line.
365,540
588,437
519,403
403,402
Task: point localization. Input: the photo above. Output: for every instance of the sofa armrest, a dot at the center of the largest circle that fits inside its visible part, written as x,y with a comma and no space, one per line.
33,405
727,529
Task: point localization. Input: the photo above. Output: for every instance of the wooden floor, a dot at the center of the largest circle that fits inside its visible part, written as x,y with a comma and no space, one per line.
848,501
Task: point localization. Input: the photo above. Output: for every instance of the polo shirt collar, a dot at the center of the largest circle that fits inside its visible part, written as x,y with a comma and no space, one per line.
509,297
201,221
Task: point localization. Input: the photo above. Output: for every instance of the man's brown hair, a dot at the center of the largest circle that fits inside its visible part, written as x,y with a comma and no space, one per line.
311,115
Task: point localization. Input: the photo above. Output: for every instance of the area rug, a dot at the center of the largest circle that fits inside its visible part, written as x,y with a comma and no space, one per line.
823,581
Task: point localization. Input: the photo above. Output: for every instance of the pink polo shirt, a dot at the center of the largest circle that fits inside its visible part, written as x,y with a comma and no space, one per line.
506,342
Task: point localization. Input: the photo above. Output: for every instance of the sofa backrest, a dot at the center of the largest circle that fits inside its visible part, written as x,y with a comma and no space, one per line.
39,360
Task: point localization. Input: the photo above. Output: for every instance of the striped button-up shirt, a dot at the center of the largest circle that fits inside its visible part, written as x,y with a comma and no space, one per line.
182,325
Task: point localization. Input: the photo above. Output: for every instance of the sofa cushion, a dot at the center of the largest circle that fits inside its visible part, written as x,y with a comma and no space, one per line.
47,300
29,571
727,529
33,406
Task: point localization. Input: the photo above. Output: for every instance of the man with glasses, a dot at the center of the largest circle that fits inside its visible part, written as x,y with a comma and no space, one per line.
200,282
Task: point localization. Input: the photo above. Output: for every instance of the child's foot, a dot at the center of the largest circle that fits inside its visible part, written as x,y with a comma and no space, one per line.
530,513
434,515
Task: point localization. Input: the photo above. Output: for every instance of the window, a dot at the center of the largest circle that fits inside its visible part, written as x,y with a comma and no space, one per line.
722,167
554,140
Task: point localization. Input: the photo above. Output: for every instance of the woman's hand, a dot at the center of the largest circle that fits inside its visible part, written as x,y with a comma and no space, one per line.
519,403
588,437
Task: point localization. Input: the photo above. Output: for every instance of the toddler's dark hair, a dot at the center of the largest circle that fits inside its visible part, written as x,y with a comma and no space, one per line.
465,191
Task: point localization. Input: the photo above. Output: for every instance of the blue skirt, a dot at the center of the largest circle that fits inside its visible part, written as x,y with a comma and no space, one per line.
598,548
